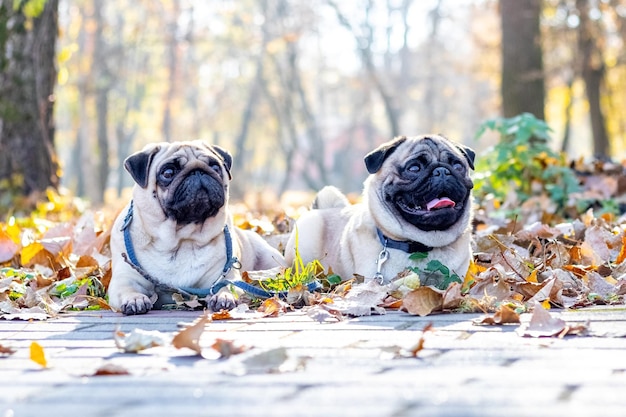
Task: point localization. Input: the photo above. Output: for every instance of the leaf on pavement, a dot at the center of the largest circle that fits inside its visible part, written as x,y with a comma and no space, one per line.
6,351
269,361
423,301
37,354
227,348
420,343
542,324
109,369
362,300
272,307
504,315
190,336
138,340
323,314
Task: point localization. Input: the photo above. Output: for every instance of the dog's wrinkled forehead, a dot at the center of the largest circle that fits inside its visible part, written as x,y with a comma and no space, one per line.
404,147
185,152
155,155
438,147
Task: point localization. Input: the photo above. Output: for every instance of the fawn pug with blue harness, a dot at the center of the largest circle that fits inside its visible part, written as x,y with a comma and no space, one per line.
176,234
417,198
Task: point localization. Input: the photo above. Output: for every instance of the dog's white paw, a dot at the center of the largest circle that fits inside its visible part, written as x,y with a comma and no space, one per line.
223,300
135,303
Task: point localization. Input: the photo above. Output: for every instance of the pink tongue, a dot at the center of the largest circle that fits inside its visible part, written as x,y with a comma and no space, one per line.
438,203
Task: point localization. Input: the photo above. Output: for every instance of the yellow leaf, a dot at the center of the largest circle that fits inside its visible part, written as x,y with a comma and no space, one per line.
532,277
30,251
37,354
546,304
622,252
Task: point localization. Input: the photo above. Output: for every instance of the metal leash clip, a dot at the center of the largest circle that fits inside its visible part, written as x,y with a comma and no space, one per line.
382,258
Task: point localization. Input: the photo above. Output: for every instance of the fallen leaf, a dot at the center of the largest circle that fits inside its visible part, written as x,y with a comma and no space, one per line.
8,248
227,348
420,343
190,336
138,340
504,315
362,300
452,297
37,354
110,369
272,307
321,314
221,315
542,324
270,361
6,351
423,301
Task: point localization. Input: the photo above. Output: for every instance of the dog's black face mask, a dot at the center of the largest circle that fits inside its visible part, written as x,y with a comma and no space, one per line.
191,184
429,186
195,194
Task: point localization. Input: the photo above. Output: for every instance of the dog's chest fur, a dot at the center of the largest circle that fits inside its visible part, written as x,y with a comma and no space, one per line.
195,258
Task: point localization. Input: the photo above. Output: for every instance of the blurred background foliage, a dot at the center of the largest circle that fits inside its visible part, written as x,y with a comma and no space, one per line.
300,91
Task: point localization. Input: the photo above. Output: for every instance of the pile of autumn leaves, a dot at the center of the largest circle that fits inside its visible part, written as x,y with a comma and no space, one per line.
59,259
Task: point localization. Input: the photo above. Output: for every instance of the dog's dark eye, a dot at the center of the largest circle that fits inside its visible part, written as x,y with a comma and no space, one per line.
414,168
458,167
217,168
167,173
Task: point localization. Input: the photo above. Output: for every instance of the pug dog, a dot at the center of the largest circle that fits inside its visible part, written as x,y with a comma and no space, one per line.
177,232
417,198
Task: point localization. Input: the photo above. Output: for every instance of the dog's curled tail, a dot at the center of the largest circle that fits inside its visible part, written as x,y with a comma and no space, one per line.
330,197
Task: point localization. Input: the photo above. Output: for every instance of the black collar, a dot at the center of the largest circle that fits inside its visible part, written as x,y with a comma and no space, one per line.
406,246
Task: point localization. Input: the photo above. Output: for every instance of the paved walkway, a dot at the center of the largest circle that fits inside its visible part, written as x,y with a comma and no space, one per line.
297,367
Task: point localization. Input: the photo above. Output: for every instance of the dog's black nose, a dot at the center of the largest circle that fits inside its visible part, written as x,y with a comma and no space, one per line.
441,172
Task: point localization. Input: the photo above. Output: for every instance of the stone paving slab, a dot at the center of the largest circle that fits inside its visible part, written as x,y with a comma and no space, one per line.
351,368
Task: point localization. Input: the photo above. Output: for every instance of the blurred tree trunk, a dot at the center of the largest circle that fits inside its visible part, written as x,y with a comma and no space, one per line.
522,86
432,85
593,72
172,68
364,46
102,87
28,161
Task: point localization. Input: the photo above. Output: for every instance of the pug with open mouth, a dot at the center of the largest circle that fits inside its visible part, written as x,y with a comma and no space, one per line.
176,234
417,198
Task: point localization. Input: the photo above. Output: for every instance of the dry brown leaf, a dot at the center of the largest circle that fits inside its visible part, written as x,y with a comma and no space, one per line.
6,351
190,336
221,315
110,369
423,301
504,315
272,307
452,297
542,324
414,351
227,348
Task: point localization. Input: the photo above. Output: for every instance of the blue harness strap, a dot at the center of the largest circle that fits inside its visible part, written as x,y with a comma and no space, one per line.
231,262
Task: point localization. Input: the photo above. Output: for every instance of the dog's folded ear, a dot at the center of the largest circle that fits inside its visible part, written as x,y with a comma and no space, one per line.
468,153
374,160
138,164
226,156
